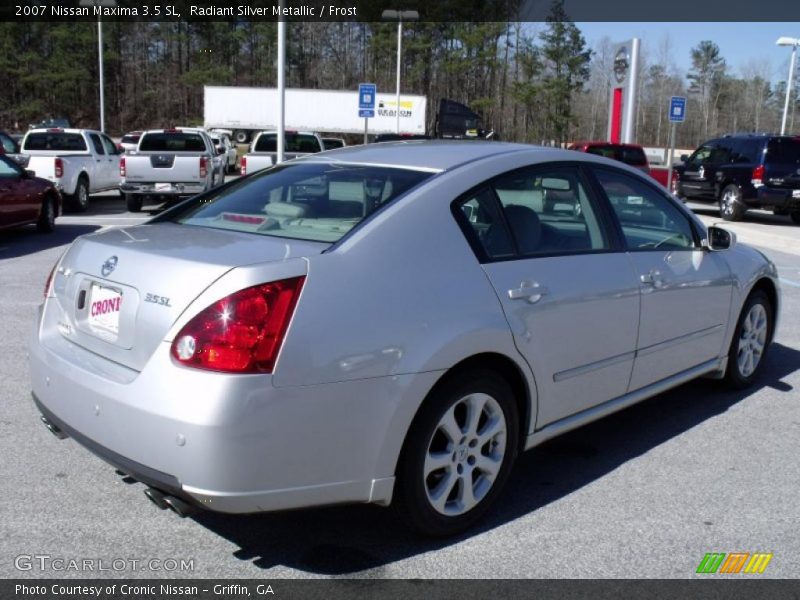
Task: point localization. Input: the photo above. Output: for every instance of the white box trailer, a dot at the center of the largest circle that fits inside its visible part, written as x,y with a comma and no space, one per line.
247,110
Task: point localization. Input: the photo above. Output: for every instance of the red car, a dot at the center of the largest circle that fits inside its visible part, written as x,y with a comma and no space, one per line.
26,199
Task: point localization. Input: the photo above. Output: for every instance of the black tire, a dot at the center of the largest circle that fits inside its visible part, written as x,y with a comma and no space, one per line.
795,217
731,207
79,201
240,136
47,216
413,486
134,202
737,374
231,169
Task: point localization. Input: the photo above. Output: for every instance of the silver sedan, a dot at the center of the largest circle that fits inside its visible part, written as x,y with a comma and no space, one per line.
390,324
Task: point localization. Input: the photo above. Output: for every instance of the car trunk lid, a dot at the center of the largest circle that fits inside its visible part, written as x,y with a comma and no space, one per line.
118,292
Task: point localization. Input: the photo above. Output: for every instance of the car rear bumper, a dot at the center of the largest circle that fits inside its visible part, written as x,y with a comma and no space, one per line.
781,198
161,189
232,444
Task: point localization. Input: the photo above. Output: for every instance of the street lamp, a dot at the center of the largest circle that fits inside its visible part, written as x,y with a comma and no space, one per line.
108,3
793,42
399,16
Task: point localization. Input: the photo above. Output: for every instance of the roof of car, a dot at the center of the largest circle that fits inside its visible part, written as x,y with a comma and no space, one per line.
438,155
607,144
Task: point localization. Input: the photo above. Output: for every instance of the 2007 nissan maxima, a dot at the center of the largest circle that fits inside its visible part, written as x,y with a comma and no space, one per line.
390,324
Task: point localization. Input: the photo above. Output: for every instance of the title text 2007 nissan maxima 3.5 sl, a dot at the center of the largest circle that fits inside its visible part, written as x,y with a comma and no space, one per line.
387,324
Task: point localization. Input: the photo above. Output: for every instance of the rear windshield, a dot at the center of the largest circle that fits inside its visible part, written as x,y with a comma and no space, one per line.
309,201
784,151
130,139
50,140
332,143
179,141
294,142
630,156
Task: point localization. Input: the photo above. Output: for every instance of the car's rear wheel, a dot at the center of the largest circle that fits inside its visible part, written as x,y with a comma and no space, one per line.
134,202
750,340
458,454
80,199
795,217
47,216
730,203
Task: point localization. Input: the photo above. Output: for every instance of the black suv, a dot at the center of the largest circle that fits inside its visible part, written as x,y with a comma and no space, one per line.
744,171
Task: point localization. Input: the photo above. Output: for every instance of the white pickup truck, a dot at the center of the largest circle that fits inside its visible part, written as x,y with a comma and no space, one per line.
170,163
79,162
264,149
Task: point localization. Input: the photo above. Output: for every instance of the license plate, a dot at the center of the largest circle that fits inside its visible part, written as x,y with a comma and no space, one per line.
163,187
795,193
105,305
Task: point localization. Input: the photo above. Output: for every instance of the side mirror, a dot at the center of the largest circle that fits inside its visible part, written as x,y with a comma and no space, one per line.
220,149
30,173
719,239
684,157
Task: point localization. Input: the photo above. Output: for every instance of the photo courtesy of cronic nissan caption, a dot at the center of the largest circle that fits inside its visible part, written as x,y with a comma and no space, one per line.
392,323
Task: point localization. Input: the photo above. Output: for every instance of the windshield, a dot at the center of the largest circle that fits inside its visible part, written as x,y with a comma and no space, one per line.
309,201
50,140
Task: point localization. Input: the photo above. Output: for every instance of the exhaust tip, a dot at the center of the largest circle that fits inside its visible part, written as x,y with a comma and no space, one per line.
53,429
179,507
156,498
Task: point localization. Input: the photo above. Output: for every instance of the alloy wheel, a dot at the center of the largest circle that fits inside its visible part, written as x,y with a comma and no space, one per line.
752,340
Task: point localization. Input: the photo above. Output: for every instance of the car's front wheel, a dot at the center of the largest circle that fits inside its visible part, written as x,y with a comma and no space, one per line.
80,199
458,454
750,340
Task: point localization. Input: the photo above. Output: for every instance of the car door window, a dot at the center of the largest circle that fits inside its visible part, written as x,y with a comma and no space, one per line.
549,211
648,219
701,156
8,170
8,144
109,146
98,145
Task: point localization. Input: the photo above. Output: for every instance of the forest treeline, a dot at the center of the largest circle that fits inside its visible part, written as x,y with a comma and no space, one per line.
532,82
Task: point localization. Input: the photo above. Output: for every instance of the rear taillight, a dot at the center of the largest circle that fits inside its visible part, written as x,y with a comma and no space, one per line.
673,186
122,167
241,333
203,167
757,178
243,165
59,168
49,281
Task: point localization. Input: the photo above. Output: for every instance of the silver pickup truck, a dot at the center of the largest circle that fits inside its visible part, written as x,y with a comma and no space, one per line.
264,149
170,163
79,162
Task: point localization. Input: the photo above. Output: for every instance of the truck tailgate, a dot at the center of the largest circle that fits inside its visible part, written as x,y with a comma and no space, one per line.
164,167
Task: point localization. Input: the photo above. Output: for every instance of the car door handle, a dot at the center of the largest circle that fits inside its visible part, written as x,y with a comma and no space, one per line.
653,277
528,290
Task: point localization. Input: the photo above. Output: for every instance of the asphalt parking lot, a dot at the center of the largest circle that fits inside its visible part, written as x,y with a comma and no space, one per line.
643,493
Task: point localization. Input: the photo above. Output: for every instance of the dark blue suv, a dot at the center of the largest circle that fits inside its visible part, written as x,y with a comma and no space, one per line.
744,171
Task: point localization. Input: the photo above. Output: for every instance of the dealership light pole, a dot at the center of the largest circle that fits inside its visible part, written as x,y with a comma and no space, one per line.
399,16
101,3
281,88
793,42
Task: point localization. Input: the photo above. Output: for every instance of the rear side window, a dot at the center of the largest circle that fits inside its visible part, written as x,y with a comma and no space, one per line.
784,150
268,142
606,151
50,140
8,170
168,141
308,201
